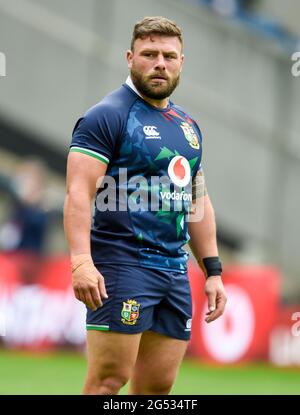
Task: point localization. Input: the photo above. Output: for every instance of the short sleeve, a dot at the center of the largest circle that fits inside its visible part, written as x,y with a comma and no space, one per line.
96,133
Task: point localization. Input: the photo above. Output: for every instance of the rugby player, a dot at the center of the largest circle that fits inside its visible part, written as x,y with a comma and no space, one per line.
128,263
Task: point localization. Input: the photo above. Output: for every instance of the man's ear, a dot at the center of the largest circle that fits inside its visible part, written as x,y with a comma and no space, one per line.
129,56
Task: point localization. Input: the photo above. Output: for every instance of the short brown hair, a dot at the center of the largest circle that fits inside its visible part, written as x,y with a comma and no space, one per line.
157,25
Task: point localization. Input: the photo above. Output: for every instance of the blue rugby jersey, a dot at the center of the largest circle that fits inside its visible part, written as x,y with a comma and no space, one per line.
152,155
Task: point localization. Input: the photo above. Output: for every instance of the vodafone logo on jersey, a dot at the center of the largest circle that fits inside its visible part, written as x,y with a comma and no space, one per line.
179,171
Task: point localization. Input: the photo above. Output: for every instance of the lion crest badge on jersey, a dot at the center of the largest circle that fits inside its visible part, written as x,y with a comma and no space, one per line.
190,135
130,312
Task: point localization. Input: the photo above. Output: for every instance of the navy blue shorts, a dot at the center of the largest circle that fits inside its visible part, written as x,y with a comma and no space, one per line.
141,299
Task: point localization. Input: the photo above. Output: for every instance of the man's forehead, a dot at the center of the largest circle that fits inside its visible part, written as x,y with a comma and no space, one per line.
154,41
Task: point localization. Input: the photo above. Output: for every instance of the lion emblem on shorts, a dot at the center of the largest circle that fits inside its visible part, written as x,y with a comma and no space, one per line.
130,312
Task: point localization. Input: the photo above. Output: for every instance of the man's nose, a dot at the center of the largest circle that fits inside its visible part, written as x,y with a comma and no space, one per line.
160,62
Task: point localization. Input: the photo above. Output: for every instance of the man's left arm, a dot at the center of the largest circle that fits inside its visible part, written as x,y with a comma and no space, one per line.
203,243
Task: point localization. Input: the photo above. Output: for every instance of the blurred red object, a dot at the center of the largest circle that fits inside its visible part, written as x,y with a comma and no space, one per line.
55,273
10,274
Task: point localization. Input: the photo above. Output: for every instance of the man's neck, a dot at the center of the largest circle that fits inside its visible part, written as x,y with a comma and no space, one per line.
158,103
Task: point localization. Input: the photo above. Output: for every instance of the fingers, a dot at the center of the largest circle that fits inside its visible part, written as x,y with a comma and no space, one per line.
78,295
219,310
211,297
89,287
102,289
96,297
89,296
89,302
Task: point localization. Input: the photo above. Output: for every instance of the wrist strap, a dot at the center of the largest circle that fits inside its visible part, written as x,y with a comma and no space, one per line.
212,265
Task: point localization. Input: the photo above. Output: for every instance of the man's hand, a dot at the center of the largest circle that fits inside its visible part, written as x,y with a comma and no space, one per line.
216,297
88,283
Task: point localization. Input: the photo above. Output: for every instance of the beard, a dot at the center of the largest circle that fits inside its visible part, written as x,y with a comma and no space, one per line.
154,90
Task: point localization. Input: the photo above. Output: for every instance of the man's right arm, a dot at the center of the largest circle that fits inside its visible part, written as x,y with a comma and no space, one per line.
83,172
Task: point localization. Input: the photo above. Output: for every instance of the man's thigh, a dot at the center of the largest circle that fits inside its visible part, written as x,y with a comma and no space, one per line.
110,355
159,358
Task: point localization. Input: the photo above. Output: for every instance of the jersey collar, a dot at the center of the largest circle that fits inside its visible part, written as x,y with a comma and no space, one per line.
132,86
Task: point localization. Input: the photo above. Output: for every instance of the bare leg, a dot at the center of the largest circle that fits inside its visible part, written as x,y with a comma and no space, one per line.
157,364
111,359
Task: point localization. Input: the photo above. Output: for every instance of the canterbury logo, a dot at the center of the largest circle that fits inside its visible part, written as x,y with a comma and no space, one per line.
150,131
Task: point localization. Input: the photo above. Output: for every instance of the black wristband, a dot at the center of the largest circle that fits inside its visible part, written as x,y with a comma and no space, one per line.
212,265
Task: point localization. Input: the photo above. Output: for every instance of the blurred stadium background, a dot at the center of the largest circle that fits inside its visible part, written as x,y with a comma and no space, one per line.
61,57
